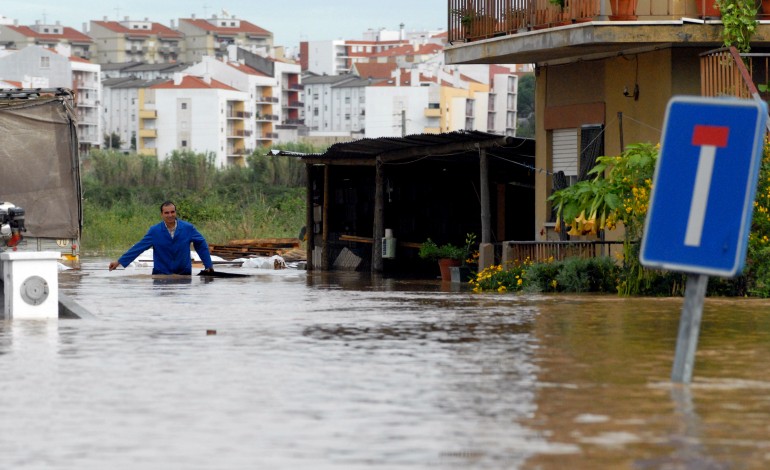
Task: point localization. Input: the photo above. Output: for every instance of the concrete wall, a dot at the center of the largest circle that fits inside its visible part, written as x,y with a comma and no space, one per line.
570,95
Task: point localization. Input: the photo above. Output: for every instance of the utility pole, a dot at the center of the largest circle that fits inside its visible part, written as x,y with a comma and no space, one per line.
403,123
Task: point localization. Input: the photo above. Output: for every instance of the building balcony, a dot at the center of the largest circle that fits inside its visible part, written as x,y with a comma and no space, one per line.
538,31
148,114
150,152
239,115
267,99
293,122
266,118
432,112
148,133
296,104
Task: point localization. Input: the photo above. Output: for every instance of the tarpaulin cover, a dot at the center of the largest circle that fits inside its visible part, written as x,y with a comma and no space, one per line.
39,169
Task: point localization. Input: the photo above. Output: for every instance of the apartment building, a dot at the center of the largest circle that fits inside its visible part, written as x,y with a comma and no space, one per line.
212,36
14,36
336,57
502,111
262,106
135,41
198,114
141,70
124,114
335,105
40,67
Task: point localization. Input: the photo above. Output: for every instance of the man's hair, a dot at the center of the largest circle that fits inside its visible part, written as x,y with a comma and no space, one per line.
166,203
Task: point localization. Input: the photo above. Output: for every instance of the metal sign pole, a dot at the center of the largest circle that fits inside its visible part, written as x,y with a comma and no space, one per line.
689,328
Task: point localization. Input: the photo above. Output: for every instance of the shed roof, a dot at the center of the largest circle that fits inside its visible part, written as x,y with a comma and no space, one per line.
452,145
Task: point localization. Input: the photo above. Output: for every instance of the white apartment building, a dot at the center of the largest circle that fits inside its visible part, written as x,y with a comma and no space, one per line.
198,114
335,105
262,105
121,104
503,103
39,67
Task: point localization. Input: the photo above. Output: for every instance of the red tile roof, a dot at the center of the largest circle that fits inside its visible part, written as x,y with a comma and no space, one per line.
245,27
12,83
191,82
374,69
409,50
70,34
246,69
156,29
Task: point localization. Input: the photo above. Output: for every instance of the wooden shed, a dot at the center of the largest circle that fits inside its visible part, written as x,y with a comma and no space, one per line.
438,186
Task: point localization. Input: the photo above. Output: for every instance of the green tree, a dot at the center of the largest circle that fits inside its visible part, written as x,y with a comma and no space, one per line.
112,141
526,106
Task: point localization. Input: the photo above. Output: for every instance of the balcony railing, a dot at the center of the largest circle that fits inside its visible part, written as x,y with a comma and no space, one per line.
558,250
725,72
472,20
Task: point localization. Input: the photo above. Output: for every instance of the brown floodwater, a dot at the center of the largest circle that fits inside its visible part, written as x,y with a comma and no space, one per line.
288,369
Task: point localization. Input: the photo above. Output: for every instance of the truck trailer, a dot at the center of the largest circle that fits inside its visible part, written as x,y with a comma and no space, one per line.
40,186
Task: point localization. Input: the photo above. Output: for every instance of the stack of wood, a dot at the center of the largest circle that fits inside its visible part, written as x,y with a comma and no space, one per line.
288,248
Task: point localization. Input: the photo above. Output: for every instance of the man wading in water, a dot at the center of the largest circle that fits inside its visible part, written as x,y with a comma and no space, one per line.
170,242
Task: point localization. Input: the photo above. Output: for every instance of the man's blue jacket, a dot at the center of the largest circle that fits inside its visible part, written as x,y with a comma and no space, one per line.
170,256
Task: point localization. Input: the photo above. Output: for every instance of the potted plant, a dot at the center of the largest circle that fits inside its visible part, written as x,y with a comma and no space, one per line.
468,17
625,10
739,18
447,255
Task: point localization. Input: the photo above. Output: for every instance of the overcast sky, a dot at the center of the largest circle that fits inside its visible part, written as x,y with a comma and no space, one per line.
290,21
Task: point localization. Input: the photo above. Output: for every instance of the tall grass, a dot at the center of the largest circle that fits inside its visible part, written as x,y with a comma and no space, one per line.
122,196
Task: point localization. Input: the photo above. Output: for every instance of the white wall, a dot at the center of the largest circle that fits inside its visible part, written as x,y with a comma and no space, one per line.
385,104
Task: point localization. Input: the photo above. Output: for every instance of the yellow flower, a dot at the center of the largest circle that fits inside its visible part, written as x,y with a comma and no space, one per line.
518,283
501,289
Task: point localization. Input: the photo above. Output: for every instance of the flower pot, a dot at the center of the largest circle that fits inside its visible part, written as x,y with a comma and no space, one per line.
707,9
625,10
444,264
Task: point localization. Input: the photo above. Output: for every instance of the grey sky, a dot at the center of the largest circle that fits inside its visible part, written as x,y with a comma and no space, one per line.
291,21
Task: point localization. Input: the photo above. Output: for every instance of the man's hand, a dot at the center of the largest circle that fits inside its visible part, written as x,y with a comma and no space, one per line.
113,265
208,270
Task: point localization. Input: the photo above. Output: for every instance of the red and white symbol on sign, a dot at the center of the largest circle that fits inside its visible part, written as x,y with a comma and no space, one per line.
708,138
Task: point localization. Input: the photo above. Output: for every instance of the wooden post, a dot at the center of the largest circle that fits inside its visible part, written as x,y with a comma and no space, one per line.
689,328
378,228
309,225
325,222
486,250
486,216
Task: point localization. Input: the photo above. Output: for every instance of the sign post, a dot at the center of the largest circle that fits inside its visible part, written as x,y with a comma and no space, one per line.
702,200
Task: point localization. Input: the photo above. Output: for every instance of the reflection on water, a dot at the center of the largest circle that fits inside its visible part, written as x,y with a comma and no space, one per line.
320,370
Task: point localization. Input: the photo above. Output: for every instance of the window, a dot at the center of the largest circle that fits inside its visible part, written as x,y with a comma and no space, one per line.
184,105
45,62
184,143
565,153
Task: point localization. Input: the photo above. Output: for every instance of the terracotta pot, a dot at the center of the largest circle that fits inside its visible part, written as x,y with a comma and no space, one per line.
444,264
624,10
707,9
765,7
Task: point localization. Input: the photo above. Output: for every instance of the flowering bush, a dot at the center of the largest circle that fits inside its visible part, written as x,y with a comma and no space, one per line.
501,279
570,275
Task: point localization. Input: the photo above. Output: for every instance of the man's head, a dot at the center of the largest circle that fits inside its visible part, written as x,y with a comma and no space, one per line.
168,212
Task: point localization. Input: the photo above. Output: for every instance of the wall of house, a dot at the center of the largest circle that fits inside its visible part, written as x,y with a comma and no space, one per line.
583,93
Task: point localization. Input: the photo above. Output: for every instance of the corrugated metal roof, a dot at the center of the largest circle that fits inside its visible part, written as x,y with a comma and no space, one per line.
449,144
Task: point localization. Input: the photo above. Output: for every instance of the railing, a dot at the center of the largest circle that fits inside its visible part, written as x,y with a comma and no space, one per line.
472,20
725,72
538,251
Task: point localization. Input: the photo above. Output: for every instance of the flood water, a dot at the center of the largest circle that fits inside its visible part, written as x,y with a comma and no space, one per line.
295,370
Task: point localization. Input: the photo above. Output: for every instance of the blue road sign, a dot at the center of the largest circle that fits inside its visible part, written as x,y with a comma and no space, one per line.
703,190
